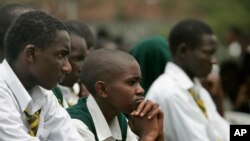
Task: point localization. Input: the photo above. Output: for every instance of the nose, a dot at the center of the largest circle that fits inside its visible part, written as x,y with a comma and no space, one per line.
139,90
66,67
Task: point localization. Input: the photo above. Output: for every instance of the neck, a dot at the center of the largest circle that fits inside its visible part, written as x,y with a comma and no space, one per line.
107,110
22,75
184,68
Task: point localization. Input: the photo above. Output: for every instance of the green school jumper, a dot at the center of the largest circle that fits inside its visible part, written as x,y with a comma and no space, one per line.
80,111
58,93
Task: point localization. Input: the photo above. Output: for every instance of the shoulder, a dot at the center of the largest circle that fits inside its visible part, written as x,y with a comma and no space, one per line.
163,85
80,111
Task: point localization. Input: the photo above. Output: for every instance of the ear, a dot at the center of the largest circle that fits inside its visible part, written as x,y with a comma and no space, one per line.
101,89
30,52
182,50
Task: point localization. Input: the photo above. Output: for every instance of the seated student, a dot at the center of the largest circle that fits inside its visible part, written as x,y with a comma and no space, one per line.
113,79
79,49
36,47
192,114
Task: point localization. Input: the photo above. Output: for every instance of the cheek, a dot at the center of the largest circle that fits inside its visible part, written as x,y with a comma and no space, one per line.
122,99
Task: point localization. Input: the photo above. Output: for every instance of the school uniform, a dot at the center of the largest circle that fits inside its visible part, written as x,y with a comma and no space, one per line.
61,99
15,100
90,122
185,120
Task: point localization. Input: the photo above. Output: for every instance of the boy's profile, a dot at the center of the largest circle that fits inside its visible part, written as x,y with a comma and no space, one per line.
36,48
113,79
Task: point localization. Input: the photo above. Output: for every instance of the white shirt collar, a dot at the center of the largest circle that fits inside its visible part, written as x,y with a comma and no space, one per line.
179,75
30,101
38,98
103,130
15,85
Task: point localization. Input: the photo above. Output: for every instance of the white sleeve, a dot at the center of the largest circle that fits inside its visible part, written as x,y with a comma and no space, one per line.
180,124
11,125
83,130
58,121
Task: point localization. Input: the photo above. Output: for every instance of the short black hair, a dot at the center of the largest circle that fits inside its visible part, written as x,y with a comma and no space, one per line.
9,13
35,27
103,65
81,30
189,32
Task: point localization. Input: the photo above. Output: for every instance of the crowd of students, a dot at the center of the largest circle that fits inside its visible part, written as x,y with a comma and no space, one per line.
56,85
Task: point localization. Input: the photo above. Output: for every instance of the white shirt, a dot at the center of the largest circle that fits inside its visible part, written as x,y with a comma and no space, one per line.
104,131
184,120
55,123
69,97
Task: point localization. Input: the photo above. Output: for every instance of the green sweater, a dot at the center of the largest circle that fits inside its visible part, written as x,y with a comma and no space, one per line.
80,111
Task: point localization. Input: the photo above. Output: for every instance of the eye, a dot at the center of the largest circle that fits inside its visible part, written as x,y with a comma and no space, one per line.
132,82
62,55
80,58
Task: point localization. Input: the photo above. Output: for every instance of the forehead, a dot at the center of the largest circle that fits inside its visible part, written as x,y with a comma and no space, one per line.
77,42
130,69
208,39
62,38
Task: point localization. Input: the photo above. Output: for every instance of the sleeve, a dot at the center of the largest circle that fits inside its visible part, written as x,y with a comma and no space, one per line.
179,122
58,121
11,125
83,130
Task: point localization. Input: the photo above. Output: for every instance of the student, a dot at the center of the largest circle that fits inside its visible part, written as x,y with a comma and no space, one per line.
8,13
79,50
192,115
113,79
36,47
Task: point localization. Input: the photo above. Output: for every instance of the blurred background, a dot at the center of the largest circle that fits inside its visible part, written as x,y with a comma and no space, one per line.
128,21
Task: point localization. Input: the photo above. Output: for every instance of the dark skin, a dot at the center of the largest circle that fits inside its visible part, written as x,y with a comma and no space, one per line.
78,52
124,94
44,67
197,62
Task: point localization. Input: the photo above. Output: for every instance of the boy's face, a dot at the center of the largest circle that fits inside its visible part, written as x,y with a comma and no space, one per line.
200,59
124,91
52,63
78,53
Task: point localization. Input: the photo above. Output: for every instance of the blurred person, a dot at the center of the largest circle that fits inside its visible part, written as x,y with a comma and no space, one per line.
212,84
113,80
84,31
36,48
232,38
105,39
152,54
8,13
230,80
80,35
191,113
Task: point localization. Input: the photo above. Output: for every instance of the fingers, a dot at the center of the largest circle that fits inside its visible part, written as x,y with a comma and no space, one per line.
147,107
154,112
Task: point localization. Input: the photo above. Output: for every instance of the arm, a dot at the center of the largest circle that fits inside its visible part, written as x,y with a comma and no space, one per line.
58,121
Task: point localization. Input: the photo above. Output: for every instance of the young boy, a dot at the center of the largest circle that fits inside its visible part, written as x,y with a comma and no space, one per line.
79,49
192,115
36,47
113,79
